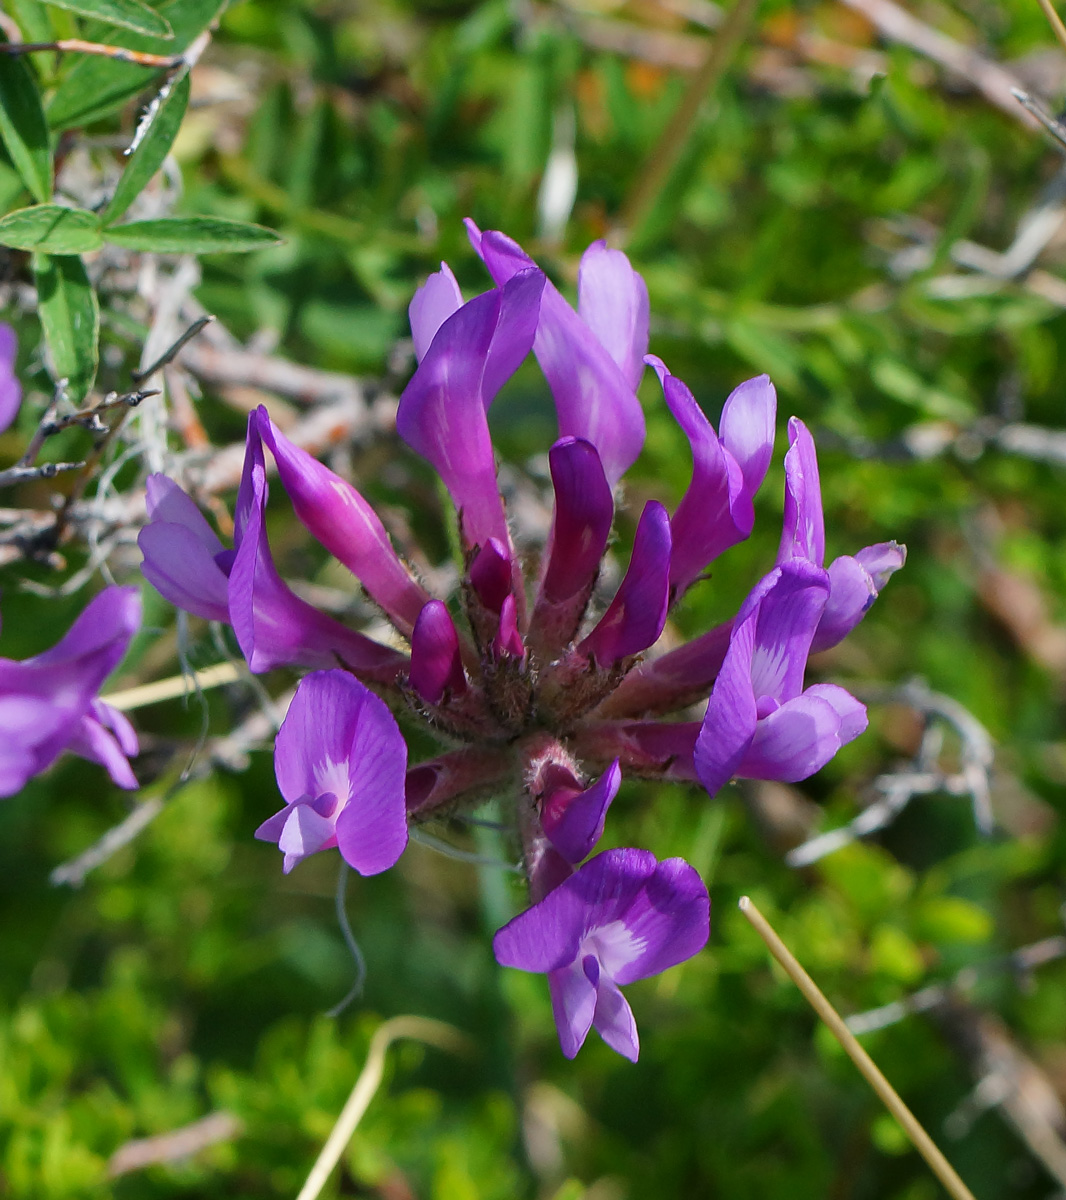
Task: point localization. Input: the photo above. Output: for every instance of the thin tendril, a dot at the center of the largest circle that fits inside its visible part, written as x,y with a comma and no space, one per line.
356,990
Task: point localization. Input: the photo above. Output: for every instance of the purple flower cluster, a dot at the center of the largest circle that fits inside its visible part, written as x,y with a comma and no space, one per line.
546,693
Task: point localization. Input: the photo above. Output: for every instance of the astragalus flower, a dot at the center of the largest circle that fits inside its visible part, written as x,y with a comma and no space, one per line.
50,703
544,693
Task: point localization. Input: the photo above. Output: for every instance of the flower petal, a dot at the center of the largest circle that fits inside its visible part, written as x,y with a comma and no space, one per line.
593,398
433,303
573,820
10,388
614,1020
731,718
274,627
800,737
854,584
182,570
803,533
612,300
747,428
581,523
790,603
442,410
573,1006
436,665
637,614
332,511
105,736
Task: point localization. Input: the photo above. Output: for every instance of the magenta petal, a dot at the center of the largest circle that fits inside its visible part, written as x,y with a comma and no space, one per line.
637,614
581,524
747,428
796,740
442,410
332,511
573,1006
573,820
490,574
803,533
433,303
854,584
716,510
436,666
593,398
304,833
612,300
10,388
340,741
182,570
274,627
852,712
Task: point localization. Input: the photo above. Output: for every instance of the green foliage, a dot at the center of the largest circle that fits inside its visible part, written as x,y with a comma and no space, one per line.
188,975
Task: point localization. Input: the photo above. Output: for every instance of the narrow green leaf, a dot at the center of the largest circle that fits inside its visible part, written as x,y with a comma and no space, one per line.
191,235
95,87
23,127
154,139
51,228
70,318
32,19
130,14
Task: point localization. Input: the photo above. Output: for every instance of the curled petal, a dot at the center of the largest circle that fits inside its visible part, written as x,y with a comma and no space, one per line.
637,614
433,303
274,627
332,511
442,410
747,429
614,1019
10,388
436,666
508,641
716,511
854,584
573,1005
105,736
803,533
573,819
182,570
490,574
731,717
790,601
593,397
612,300
802,735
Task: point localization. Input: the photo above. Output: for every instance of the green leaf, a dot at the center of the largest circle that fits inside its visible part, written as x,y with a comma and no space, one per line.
154,138
95,87
191,235
52,228
70,318
23,127
130,14
32,19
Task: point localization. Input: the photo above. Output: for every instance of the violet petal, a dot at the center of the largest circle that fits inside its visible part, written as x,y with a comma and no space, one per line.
614,1020
182,570
332,511
573,1006
10,388
432,304
797,739
593,398
803,532
612,300
789,610
581,523
637,614
573,820
747,428
436,665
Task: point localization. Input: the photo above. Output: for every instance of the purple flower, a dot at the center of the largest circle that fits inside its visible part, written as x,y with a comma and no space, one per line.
760,722
717,510
621,917
545,698
49,703
340,760
10,388
854,582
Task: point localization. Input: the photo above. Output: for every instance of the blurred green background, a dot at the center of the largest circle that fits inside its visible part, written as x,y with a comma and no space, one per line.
811,229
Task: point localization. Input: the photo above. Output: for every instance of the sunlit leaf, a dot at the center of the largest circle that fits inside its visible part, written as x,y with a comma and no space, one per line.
51,228
191,235
70,317
130,14
155,136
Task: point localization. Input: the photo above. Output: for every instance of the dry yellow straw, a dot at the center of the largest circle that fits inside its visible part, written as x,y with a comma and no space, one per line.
421,1029
175,686
923,1143
1055,21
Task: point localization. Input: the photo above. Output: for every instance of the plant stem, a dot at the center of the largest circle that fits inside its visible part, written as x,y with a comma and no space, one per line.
888,1095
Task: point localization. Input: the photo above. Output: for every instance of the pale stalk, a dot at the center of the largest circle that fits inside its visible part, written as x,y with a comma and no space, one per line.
420,1029
887,1094
1055,21
177,685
